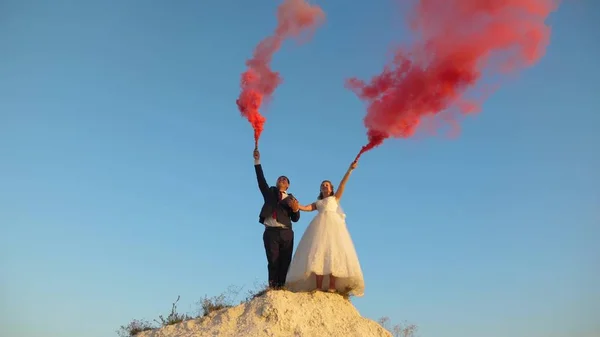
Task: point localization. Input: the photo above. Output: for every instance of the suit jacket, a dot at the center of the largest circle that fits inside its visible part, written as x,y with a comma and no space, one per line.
284,213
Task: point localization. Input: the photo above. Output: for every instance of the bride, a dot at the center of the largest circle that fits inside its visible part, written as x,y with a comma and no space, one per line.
325,251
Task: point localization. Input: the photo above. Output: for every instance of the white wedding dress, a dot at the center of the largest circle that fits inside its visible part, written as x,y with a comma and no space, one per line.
326,248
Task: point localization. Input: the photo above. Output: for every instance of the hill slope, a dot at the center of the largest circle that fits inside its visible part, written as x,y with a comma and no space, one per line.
280,313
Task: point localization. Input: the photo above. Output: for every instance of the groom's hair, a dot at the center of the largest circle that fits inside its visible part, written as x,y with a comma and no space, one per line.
332,190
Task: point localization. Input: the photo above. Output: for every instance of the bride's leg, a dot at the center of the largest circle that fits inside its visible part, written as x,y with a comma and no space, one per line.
319,279
331,282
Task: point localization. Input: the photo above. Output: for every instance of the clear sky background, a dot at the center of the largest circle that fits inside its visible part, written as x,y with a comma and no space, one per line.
126,171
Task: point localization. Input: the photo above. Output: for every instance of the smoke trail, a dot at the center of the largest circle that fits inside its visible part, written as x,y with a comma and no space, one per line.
259,81
456,41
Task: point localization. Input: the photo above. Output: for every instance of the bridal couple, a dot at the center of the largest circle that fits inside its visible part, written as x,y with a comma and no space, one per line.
325,258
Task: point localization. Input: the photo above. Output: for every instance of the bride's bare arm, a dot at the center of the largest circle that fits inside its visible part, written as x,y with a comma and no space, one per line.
342,186
308,208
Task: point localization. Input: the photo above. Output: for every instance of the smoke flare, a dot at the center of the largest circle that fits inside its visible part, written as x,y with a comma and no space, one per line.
456,42
259,81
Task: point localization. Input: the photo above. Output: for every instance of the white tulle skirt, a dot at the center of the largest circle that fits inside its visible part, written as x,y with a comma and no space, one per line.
326,248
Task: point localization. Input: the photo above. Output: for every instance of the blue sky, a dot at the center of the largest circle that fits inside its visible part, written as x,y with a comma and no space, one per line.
126,171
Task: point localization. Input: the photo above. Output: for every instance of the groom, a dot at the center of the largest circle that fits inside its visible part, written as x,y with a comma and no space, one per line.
278,212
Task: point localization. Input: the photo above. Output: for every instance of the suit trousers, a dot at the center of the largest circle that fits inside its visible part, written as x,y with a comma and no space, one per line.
279,244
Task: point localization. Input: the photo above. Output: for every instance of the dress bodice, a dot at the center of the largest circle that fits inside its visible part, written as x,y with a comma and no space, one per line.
327,204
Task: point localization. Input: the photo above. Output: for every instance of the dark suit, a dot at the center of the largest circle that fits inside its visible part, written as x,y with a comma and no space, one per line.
278,241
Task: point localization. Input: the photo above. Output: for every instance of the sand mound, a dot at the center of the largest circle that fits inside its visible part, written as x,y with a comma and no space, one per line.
280,313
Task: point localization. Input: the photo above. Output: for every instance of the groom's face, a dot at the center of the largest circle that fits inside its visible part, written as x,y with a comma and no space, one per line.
283,183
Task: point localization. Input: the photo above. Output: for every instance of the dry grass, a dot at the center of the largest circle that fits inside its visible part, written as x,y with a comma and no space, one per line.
174,317
398,330
134,327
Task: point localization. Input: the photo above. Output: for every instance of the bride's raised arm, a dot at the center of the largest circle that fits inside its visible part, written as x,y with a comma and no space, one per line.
308,208
342,186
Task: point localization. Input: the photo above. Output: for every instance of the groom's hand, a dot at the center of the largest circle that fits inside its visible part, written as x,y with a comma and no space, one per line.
295,205
256,155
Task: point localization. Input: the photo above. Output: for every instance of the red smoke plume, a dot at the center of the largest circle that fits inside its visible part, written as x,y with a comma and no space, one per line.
259,82
456,41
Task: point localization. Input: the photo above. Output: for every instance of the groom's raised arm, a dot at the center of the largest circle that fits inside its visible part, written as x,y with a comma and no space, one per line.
260,176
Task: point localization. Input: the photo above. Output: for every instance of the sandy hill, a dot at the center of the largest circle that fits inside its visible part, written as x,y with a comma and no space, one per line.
281,314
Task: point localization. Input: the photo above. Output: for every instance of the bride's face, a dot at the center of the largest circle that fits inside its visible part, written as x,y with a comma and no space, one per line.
326,188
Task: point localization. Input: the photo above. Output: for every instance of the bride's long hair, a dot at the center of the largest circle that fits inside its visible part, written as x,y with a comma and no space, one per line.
321,193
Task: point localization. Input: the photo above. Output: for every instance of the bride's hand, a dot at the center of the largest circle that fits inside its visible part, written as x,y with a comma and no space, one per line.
353,165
